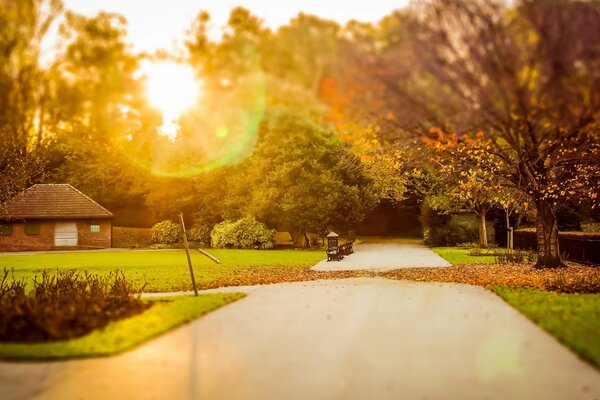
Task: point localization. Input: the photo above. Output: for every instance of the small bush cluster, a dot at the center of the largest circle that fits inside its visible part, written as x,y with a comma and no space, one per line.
245,233
166,232
64,305
565,283
200,233
515,256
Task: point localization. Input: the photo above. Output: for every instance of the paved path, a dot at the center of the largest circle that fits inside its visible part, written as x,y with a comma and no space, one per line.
344,339
384,257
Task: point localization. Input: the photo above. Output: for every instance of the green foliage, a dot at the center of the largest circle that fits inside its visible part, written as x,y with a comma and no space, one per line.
167,232
64,305
301,178
200,233
118,336
245,233
574,319
305,178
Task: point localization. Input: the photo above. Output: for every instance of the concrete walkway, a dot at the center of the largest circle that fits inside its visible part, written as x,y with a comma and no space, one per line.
384,257
344,339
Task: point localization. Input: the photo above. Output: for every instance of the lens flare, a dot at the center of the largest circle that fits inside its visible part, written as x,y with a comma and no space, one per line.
172,88
204,126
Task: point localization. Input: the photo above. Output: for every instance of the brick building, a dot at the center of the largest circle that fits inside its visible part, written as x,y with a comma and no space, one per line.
54,217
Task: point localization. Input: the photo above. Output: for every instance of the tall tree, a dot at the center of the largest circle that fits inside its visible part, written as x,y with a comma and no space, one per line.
528,76
23,25
98,109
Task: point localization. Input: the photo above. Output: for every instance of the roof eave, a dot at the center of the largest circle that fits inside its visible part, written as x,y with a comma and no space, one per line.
46,217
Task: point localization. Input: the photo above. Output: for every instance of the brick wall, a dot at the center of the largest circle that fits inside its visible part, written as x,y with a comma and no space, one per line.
20,241
89,239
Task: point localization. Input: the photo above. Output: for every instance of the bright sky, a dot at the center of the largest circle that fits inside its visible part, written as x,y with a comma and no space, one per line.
157,24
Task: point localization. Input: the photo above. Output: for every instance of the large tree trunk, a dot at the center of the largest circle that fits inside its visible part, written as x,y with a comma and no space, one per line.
482,227
547,236
299,237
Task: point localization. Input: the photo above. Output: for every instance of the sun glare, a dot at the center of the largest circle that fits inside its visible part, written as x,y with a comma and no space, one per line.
172,88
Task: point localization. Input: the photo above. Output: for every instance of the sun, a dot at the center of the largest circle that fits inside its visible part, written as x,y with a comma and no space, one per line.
173,88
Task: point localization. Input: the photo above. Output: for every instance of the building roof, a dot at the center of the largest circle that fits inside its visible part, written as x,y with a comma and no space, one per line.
52,201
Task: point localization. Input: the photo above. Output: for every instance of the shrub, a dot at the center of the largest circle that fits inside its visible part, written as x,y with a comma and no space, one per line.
591,227
200,233
479,252
64,305
166,232
449,234
444,230
582,283
467,245
246,233
515,256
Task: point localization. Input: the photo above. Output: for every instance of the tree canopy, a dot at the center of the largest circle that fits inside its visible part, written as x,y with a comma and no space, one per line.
309,126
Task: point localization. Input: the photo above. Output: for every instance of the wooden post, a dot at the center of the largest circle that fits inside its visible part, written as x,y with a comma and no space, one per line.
215,259
187,253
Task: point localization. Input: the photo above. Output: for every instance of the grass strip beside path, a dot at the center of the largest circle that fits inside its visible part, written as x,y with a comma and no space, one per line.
574,319
165,315
456,256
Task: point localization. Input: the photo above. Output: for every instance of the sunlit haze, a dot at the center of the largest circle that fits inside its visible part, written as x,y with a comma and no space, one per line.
159,24
172,88
162,25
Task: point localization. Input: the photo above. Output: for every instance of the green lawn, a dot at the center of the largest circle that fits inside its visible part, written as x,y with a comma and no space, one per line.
456,256
166,270
574,319
119,336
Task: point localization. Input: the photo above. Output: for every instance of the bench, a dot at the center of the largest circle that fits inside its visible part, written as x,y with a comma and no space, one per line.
338,252
334,253
346,248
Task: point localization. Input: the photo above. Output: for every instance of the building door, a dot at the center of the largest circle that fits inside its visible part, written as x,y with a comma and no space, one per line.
65,234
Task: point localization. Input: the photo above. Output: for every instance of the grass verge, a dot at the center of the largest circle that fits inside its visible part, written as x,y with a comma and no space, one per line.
574,319
456,256
165,315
